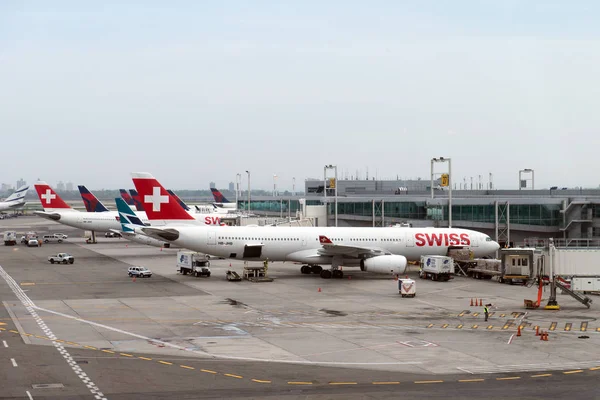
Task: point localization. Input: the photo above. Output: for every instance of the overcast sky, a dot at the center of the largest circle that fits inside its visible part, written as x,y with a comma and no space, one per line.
197,91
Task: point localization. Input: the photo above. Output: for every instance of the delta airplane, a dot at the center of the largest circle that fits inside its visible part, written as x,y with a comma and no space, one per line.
15,200
56,209
127,197
129,221
378,250
221,201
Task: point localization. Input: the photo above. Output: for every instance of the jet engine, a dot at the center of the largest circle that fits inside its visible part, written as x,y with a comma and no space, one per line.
389,264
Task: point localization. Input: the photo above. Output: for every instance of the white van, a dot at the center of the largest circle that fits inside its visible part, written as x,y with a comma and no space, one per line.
51,238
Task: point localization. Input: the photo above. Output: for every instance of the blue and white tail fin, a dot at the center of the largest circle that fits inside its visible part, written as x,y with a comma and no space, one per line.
185,206
19,195
92,204
129,220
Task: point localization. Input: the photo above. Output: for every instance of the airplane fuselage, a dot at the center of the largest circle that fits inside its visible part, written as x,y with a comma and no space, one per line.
301,244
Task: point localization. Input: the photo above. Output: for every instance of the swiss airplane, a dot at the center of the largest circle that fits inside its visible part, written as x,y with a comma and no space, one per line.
379,250
15,200
57,210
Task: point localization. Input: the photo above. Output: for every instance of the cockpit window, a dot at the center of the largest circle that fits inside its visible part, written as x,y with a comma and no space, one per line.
488,239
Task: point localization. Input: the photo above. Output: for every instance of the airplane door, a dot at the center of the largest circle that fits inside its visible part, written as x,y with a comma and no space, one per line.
410,240
211,237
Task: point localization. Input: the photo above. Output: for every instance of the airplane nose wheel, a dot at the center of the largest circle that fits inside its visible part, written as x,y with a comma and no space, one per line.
337,274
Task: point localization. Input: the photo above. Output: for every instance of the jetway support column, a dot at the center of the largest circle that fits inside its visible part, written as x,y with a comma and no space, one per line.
552,303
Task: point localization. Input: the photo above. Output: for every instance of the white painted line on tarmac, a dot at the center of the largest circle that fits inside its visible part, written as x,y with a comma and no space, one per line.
29,305
4,343
218,356
511,339
14,363
29,395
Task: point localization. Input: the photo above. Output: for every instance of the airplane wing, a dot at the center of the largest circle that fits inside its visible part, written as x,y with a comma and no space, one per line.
332,249
169,234
48,215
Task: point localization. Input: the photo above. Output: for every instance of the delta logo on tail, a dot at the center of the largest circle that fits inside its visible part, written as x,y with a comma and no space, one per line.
48,197
92,204
442,239
219,198
158,203
136,200
125,196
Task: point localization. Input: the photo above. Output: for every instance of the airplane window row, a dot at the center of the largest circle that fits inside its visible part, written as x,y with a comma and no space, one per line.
254,238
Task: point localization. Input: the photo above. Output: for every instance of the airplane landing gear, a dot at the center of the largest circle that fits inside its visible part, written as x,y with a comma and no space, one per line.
325,274
328,274
305,269
308,269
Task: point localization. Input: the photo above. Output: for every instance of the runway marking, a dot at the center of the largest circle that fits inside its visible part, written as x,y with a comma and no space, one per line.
185,366
209,371
594,368
475,326
553,326
509,378
299,383
4,343
234,376
386,383
2,323
583,327
471,380
126,355
145,358
445,326
260,381
165,362
27,283
343,383
91,347
29,305
573,372
476,314
459,326
108,351
14,363
568,326
540,375
424,382
29,395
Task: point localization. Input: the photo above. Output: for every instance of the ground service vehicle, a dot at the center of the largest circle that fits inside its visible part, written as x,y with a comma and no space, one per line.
139,272
190,262
10,238
64,258
436,268
33,243
51,238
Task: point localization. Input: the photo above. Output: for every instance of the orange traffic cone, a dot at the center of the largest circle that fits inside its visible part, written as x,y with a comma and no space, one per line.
519,330
537,330
161,249
319,290
349,276
545,336
480,302
471,302
133,279
542,335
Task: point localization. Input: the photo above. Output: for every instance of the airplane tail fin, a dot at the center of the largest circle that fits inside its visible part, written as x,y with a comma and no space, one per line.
158,203
181,203
136,200
219,198
127,197
50,200
19,195
129,220
92,204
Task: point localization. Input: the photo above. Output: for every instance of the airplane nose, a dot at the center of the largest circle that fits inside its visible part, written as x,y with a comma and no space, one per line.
495,246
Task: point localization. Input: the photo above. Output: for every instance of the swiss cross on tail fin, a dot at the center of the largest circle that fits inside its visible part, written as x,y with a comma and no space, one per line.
49,198
158,203
324,240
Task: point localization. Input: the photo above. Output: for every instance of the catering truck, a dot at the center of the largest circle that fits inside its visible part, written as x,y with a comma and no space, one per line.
190,262
436,268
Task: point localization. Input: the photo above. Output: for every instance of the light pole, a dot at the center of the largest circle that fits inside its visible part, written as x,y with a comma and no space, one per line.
448,184
238,180
248,172
527,170
274,185
334,167
294,186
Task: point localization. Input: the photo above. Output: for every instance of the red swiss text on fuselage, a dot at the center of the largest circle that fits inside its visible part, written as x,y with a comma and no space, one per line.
442,239
212,220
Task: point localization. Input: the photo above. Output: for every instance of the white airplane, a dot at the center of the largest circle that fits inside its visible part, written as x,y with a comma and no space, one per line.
129,221
221,201
379,250
57,210
15,200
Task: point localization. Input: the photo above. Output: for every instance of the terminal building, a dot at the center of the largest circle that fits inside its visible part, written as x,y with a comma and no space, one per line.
512,217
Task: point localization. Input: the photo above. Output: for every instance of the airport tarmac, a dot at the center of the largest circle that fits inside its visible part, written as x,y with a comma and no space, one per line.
175,336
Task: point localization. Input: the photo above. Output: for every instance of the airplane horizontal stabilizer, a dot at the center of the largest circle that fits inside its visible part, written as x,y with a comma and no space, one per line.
48,215
169,234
